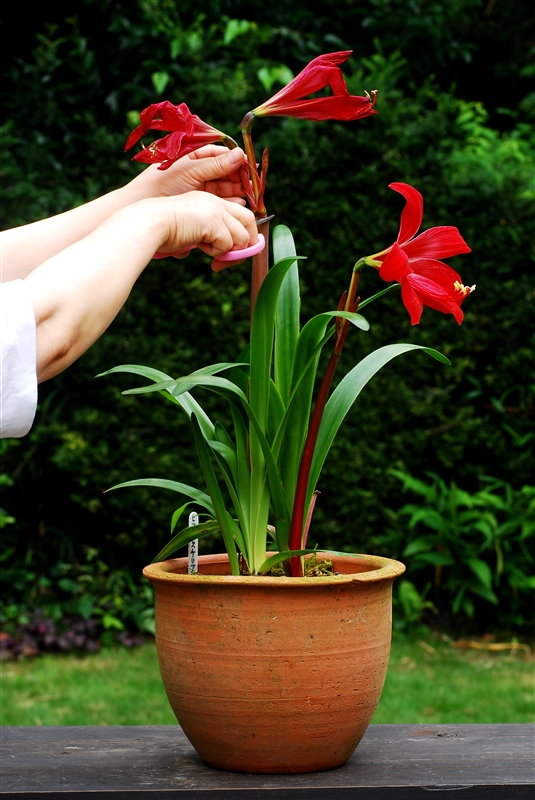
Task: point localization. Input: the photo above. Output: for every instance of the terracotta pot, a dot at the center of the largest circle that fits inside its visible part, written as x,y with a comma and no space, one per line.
274,674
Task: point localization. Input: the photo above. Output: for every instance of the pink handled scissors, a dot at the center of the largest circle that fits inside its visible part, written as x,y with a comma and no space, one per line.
232,255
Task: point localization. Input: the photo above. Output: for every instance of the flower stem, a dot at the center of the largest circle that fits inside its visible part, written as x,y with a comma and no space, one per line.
257,181
298,515
246,125
260,264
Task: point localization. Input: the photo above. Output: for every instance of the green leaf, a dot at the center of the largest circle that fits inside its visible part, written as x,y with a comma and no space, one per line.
430,518
275,411
345,395
412,484
228,454
182,488
243,474
290,438
178,386
261,351
287,311
485,592
160,81
422,545
229,529
186,401
482,570
136,369
262,335
233,393
276,74
235,27
222,435
309,345
177,514
185,536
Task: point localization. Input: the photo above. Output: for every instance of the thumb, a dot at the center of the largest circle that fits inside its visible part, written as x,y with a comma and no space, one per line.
212,168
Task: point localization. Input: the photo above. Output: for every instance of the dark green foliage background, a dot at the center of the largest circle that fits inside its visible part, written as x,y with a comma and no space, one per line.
455,120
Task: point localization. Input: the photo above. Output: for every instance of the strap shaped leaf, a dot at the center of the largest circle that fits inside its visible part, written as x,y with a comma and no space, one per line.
182,488
185,536
287,311
345,395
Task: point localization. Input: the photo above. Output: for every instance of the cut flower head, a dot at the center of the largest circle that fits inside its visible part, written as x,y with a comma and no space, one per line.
188,133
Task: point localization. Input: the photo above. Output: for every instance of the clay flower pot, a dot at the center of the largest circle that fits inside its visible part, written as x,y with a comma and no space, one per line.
274,674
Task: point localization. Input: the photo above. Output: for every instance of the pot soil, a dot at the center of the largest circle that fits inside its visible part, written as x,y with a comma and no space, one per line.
274,675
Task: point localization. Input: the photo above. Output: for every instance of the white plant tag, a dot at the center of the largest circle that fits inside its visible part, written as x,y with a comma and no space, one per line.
193,546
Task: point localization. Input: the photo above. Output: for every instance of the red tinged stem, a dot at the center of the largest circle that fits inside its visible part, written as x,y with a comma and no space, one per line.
298,515
260,265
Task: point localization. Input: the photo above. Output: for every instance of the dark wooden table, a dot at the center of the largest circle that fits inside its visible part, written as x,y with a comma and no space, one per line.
398,762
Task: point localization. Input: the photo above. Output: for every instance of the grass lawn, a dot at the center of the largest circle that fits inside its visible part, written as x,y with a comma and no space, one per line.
428,681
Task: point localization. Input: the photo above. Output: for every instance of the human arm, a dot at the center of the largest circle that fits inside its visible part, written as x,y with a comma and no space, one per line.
78,292
212,169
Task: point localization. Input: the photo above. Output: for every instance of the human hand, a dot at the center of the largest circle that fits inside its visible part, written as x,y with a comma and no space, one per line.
211,223
210,169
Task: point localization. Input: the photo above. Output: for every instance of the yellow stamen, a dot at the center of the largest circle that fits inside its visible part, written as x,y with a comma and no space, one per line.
464,290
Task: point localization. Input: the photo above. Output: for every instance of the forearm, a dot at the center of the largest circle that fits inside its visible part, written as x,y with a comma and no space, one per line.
77,293
211,169
24,248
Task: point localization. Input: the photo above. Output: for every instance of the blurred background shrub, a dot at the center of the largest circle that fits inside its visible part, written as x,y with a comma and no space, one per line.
455,119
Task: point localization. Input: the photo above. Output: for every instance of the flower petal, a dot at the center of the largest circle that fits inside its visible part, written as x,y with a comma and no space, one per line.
168,149
412,301
188,133
321,72
412,214
345,108
436,271
395,266
438,242
435,296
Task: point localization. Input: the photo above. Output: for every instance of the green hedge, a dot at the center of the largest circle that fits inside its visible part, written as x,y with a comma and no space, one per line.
328,182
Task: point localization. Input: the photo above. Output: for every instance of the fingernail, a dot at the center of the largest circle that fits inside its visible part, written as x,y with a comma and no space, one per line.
236,155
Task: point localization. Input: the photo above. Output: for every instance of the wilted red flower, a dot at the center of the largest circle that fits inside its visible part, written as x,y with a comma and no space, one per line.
188,133
321,72
412,262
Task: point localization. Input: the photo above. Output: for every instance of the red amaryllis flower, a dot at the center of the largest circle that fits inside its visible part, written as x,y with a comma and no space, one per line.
188,133
321,72
413,262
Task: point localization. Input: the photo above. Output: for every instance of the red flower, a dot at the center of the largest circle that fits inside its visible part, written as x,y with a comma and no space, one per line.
412,262
188,133
321,72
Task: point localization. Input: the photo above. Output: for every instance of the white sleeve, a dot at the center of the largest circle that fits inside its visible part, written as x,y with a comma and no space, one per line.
18,378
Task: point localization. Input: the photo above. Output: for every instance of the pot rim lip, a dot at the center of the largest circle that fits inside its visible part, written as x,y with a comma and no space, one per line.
383,569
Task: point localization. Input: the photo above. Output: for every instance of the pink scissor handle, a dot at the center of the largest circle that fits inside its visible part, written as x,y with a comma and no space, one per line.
245,252
232,255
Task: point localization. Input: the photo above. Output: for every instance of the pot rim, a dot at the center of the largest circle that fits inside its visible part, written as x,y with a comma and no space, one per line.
381,569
